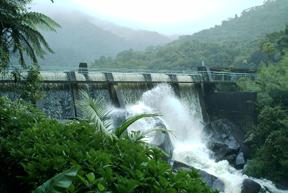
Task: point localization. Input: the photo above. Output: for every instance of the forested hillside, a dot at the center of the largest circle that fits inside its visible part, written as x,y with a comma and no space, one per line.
268,139
83,39
253,23
237,42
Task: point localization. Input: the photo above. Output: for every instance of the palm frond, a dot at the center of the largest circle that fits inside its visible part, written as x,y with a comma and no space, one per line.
36,19
123,128
138,136
156,129
19,32
95,111
35,37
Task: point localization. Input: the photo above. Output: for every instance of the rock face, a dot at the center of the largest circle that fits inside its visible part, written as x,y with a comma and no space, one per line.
282,185
212,181
225,143
250,186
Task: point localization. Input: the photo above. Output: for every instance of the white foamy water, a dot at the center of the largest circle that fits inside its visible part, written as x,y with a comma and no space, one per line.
187,136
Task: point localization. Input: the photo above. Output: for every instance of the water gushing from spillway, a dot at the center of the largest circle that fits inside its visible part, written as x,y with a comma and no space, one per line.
187,135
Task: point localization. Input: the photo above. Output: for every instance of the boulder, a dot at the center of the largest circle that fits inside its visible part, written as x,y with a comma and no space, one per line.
283,185
222,151
225,143
212,181
250,186
240,160
166,145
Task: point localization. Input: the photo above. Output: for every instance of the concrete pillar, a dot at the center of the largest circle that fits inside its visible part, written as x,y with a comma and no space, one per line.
148,80
200,87
174,84
74,90
116,98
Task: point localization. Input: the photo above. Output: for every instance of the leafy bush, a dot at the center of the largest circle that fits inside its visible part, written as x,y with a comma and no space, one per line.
270,138
271,160
43,148
15,117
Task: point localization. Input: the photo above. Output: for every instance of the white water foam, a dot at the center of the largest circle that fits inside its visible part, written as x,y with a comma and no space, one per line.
188,136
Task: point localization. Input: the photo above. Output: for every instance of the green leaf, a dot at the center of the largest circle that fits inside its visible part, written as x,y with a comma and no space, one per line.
84,181
58,183
101,188
91,177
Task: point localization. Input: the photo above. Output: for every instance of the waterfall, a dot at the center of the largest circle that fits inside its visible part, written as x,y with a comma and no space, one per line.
181,116
98,90
131,92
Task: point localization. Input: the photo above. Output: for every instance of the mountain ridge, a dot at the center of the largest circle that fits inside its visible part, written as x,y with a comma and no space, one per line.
81,39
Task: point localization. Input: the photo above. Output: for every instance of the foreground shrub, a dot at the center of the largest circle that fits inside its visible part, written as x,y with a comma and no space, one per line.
40,150
272,156
15,117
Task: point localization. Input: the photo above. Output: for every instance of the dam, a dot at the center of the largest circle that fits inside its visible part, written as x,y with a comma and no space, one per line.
61,88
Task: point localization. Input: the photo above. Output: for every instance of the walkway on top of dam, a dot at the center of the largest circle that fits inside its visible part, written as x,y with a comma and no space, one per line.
200,75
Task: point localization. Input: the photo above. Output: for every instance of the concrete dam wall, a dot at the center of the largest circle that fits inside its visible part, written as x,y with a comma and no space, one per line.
62,89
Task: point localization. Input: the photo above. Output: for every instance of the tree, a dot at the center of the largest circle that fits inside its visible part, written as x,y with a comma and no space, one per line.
19,34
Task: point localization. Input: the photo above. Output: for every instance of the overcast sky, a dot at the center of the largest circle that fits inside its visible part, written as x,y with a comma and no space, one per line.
165,16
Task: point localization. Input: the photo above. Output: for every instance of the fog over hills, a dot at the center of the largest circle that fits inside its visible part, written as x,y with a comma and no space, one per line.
84,39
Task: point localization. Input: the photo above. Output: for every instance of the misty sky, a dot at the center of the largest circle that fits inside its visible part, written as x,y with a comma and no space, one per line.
164,16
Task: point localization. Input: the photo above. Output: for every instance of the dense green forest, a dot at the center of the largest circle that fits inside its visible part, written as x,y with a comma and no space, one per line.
269,138
253,23
234,43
